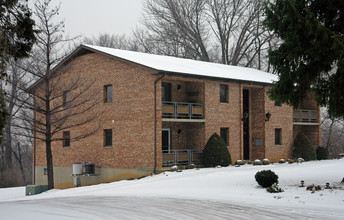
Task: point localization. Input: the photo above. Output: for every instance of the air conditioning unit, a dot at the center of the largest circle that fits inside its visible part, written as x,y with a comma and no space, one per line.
89,168
77,168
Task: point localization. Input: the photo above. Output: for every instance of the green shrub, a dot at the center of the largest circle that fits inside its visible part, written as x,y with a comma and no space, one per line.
321,153
266,178
291,161
281,161
239,162
303,148
216,152
266,161
257,162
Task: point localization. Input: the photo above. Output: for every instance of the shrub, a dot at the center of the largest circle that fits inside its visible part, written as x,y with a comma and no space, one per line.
239,162
291,161
300,160
257,162
303,148
266,161
216,152
281,161
321,153
274,189
266,178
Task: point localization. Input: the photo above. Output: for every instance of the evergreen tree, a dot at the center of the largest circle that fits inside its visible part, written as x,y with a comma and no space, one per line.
216,152
303,148
16,40
311,57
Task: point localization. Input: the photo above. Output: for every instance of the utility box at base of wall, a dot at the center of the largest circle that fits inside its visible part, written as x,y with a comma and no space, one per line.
76,181
35,189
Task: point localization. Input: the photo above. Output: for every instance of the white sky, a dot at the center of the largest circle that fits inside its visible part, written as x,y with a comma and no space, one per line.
91,17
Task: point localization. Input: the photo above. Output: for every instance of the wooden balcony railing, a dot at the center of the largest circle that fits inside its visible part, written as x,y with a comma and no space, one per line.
182,157
182,110
305,116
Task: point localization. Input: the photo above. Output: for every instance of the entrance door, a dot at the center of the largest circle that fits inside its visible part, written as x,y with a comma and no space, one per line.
166,140
246,124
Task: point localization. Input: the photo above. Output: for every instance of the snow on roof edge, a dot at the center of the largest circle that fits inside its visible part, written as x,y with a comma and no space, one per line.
188,66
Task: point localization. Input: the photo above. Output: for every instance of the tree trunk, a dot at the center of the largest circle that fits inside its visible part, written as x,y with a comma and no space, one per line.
49,165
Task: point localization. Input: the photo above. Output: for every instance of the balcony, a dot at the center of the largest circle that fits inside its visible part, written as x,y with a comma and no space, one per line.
305,117
183,112
182,157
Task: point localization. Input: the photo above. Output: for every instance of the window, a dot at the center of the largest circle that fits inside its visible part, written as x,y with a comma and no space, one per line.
277,103
166,92
224,135
278,136
45,171
223,93
108,93
66,97
66,139
107,137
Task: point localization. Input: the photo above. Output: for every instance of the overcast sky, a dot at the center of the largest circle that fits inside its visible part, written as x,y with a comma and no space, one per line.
91,17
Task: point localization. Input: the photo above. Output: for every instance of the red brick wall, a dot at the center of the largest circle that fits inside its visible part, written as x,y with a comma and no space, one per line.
281,117
257,122
130,116
228,115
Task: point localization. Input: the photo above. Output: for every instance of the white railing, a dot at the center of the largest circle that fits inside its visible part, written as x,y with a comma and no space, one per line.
182,110
182,157
306,116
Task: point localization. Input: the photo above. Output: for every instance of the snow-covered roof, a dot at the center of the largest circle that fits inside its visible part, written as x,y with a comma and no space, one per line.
189,67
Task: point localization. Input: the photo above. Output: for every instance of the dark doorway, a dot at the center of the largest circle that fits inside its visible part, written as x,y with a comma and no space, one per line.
166,140
246,124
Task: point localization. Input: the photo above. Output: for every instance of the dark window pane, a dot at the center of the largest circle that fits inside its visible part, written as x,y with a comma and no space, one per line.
223,93
108,93
277,103
278,133
224,135
108,137
166,92
66,139
66,97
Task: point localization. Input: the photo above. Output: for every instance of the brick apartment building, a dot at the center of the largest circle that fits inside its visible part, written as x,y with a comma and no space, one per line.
158,111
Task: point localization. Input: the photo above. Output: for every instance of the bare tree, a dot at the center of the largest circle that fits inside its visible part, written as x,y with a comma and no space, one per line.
59,98
123,41
332,134
225,31
14,146
176,28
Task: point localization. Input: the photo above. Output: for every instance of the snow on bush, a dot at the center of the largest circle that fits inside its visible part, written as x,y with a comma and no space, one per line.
257,162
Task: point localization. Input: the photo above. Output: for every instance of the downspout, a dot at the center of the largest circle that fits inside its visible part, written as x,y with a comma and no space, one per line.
155,120
34,146
240,119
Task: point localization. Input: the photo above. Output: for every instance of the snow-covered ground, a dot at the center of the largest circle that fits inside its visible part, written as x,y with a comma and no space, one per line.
209,193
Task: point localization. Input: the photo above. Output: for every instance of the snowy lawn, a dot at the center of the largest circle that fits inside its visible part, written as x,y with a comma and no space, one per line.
233,188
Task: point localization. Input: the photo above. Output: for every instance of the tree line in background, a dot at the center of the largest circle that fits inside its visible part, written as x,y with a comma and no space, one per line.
224,31
39,102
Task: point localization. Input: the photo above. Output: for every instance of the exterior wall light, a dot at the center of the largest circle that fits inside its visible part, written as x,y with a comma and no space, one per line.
267,116
245,117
